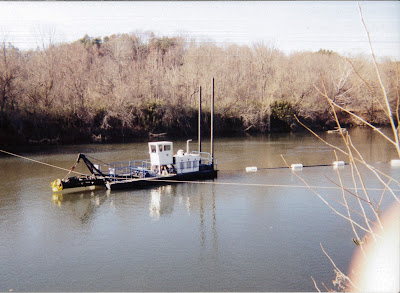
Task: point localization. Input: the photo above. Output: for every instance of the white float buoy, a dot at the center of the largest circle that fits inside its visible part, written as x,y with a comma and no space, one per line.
395,163
338,164
296,166
251,169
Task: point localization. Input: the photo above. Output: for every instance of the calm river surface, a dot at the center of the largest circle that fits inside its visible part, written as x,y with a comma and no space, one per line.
183,237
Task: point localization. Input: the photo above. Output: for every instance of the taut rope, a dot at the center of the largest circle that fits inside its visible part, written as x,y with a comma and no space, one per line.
36,161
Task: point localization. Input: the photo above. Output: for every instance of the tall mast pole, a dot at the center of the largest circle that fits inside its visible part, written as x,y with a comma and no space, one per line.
199,123
212,122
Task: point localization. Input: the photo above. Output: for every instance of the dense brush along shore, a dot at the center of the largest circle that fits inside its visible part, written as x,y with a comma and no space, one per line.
126,87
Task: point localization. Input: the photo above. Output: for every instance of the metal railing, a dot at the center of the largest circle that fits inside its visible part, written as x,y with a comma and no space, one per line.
126,169
141,168
205,158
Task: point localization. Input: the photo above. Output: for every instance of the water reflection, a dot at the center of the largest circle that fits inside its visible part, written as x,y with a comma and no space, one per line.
193,200
82,205
162,201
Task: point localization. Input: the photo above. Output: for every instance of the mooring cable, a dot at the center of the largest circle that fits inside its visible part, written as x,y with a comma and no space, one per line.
39,162
263,184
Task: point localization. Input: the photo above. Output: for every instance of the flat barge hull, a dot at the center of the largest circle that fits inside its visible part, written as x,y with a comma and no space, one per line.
156,181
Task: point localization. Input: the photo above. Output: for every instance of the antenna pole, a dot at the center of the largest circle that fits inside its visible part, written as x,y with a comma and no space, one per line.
199,125
212,122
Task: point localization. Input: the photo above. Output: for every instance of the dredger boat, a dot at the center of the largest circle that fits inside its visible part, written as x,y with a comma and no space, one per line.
162,167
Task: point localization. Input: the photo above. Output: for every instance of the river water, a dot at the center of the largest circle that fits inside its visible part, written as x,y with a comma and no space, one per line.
239,232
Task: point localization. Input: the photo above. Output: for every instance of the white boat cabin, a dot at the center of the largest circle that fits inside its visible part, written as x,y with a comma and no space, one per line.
164,162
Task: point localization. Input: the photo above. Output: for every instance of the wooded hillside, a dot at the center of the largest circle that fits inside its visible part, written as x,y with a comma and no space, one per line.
123,87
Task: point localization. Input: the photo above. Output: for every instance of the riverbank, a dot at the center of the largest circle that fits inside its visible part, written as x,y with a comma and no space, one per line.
123,87
152,125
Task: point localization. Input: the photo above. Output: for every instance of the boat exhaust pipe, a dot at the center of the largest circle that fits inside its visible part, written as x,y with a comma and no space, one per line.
187,145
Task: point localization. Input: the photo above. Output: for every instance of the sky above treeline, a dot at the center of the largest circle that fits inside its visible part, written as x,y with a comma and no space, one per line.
287,26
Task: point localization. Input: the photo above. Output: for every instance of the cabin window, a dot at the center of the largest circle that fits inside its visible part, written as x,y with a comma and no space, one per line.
189,164
160,148
182,166
167,147
153,148
195,164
